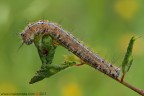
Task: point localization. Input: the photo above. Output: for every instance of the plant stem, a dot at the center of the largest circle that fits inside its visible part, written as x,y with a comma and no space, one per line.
139,91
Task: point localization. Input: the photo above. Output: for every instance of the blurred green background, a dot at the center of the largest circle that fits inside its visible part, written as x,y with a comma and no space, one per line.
104,25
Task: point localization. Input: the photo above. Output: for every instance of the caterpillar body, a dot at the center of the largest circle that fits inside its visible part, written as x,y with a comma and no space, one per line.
69,42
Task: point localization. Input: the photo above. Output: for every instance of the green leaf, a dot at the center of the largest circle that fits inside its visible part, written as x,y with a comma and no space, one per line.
46,48
49,70
127,61
130,63
71,58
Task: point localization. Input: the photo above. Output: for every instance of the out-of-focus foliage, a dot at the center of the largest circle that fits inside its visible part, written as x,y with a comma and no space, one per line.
104,25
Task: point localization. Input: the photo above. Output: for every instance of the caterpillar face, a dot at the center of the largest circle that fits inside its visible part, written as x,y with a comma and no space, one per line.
27,39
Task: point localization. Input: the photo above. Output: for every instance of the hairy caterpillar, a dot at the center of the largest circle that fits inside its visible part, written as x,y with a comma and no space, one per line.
69,42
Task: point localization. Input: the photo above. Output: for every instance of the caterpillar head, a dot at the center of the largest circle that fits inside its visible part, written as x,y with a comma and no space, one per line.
33,30
27,38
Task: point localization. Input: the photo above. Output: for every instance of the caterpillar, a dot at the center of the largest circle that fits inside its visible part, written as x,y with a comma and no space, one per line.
68,41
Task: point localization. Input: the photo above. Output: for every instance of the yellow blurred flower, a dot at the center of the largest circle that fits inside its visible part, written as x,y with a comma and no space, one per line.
7,87
71,90
126,8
